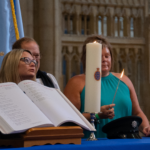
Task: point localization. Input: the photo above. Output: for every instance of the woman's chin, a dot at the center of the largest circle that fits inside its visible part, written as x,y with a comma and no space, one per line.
28,77
105,70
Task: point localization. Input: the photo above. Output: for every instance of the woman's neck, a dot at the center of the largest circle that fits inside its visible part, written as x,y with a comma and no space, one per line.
27,78
104,74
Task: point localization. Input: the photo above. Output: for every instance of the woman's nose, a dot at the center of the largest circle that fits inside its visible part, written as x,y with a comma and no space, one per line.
103,58
32,63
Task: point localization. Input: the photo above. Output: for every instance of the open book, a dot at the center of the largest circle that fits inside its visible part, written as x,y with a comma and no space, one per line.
30,104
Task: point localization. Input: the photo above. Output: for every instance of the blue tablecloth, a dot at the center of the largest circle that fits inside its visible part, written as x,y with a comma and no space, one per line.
101,144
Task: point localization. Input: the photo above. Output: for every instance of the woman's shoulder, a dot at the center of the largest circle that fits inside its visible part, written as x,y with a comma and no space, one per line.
125,79
80,77
77,82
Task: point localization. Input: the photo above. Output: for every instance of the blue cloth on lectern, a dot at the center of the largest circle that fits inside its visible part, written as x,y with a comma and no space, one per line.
7,30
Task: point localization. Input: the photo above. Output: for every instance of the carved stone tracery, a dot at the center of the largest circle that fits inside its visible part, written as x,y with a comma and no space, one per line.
88,13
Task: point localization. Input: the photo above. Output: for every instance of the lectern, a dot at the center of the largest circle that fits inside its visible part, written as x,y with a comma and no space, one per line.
42,136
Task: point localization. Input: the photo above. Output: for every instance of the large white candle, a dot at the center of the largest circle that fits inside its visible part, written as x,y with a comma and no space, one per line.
93,77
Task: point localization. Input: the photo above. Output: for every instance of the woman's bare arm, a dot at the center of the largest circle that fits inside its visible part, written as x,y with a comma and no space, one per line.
73,91
136,110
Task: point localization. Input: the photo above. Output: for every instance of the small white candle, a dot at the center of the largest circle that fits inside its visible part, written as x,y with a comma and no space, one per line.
93,77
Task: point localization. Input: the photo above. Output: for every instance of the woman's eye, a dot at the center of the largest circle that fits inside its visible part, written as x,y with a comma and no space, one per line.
26,60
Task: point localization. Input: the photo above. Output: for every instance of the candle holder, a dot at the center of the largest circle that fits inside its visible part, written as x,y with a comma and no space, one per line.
92,135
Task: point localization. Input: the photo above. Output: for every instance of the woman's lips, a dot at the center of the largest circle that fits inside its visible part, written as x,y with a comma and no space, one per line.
32,70
104,65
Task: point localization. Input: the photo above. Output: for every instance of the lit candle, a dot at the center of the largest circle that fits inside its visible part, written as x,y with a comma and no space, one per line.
118,85
93,77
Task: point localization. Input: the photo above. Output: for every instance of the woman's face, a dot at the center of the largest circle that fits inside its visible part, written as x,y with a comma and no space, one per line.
34,49
106,61
26,71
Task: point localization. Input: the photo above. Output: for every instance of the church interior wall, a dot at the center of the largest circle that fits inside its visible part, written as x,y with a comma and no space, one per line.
61,26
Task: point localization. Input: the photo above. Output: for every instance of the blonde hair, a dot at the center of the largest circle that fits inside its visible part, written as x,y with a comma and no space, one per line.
9,69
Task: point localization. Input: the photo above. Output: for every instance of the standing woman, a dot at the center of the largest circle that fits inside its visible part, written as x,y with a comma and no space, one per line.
18,65
126,102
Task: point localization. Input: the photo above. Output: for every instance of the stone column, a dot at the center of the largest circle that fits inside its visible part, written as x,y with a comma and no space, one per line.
77,22
102,25
46,34
119,27
123,59
63,23
110,26
136,71
80,23
70,49
57,43
117,58
49,37
78,19
127,27
96,24
93,24
93,20
27,17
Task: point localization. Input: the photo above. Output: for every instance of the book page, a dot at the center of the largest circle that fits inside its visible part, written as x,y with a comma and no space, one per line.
53,105
17,110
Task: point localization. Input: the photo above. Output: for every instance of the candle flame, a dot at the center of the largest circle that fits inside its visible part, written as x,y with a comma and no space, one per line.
122,73
94,42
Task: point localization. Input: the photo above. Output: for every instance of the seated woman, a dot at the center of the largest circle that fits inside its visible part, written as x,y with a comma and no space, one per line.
18,65
126,102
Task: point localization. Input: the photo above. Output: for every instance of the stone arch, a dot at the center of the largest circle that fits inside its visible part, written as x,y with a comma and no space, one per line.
72,9
102,10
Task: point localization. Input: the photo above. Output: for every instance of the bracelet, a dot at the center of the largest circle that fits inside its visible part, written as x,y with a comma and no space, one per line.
97,117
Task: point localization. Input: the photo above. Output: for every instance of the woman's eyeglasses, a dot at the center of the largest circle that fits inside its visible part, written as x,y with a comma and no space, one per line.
28,60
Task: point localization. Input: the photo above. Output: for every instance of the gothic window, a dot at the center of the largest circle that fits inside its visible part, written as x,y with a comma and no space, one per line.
65,24
99,25
82,25
105,26
85,24
71,24
121,26
131,27
116,26
88,24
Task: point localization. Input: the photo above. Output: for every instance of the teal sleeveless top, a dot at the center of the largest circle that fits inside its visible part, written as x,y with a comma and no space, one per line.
123,104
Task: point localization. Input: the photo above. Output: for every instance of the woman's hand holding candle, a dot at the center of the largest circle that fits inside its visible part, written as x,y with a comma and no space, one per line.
107,111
